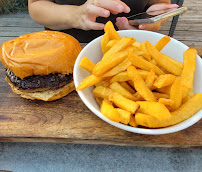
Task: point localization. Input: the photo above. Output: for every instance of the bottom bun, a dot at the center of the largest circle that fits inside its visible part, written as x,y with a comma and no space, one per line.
48,95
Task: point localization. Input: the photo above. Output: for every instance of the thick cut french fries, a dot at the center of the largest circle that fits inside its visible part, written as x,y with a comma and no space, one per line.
104,42
109,27
164,80
150,79
192,106
162,43
102,92
111,43
127,87
164,90
159,93
176,94
88,81
106,64
144,49
188,70
171,65
132,121
140,85
143,64
124,116
118,88
109,111
167,102
123,76
122,44
155,109
124,103
119,68
87,64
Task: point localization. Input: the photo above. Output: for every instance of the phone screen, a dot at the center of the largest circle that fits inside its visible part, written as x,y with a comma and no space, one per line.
151,14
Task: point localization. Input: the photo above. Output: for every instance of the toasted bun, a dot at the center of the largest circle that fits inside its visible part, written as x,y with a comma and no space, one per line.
40,53
48,95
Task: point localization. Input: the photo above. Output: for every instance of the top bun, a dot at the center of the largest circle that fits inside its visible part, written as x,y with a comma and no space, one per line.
40,53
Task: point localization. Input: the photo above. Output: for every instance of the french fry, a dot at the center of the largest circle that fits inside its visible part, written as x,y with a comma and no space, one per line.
111,43
185,99
131,83
124,116
152,61
143,73
149,82
119,68
150,79
124,103
136,44
87,64
118,88
144,49
191,92
102,92
132,121
164,80
143,64
88,81
103,83
164,90
109,111
176,94
192,106
155,109
161,95
166,62
113,34
138,97
143,54
104,41
107,64
167,102
122,44
127,87
188,70
162,43
120,77
140,85
99,100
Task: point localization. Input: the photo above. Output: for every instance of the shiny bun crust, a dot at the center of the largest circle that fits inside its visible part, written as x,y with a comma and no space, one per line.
40,53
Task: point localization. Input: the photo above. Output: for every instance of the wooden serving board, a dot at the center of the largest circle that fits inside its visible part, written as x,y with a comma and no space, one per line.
69,120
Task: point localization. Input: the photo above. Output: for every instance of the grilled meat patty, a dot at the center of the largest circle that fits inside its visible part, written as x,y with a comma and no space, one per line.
39,82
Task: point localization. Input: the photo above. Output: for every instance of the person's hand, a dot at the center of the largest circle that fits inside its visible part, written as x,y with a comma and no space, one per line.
92,9
122,22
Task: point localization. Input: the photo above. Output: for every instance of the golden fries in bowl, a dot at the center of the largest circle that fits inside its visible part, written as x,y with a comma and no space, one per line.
140,81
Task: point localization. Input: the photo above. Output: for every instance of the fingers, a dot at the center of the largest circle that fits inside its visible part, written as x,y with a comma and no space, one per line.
122,24
161,6
151,27
97,11
114,6
90,25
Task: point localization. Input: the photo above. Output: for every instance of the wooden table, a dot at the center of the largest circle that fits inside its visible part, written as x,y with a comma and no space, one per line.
69,120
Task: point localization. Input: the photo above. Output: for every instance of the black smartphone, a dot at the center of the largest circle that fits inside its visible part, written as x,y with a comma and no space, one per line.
155,16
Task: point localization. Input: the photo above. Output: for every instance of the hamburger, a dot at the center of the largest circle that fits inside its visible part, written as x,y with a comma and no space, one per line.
40,65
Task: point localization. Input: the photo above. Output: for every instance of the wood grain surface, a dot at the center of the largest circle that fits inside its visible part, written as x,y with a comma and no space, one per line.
69,120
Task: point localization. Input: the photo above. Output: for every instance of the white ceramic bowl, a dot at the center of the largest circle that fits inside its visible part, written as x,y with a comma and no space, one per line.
174,49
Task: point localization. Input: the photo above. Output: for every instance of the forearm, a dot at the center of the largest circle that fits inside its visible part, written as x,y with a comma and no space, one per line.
54,16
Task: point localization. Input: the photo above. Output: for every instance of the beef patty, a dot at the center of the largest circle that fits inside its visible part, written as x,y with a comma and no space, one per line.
39,82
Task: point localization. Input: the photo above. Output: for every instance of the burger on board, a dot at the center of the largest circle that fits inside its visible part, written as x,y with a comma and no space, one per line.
40,65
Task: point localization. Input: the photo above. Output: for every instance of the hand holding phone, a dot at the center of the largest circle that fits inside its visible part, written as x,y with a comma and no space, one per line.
155,16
